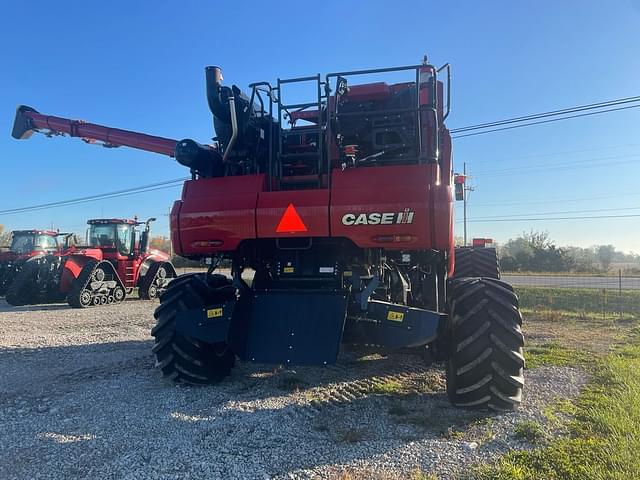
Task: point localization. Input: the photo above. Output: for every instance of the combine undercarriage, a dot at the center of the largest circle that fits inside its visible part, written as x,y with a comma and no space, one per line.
370,298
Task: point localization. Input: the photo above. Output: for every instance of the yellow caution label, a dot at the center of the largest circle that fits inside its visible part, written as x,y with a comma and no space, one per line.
347,273
288,270
395,316
214,312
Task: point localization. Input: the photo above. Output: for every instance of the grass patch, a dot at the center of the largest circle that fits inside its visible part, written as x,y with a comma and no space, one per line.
604,436
557,411
420,475
453,434
378,474
589,301
553,354
389,387
529,430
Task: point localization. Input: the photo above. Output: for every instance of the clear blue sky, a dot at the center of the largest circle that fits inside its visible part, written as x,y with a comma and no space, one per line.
140,65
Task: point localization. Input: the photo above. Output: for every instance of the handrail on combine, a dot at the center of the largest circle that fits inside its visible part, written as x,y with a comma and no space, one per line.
432,108
447,66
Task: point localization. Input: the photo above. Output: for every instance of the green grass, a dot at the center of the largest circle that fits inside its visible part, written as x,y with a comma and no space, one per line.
591,301
388,387
529,430
604,440
553,354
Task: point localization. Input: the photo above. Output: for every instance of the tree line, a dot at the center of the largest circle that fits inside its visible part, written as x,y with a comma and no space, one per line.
534,251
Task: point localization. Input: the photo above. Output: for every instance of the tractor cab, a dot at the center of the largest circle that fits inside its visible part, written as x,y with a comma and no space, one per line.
118,236
26,241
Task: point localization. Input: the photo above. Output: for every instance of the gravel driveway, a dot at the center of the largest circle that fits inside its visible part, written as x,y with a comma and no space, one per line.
80,398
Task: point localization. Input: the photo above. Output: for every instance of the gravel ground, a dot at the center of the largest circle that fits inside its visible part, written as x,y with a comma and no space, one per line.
80,398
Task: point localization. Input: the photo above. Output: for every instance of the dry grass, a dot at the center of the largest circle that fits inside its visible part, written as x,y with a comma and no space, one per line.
364,474
569,338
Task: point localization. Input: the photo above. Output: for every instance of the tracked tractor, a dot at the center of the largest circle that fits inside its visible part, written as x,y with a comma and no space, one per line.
115,260
340,202
26,245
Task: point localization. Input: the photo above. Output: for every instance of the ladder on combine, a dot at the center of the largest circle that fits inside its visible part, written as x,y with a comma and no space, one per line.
301,149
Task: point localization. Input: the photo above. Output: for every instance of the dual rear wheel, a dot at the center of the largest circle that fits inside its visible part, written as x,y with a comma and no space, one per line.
484,336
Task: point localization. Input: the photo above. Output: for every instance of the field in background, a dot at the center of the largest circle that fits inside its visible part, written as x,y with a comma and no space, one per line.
605,303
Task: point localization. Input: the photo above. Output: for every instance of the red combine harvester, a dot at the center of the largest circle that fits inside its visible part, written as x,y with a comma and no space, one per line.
25,245
115,261
342,205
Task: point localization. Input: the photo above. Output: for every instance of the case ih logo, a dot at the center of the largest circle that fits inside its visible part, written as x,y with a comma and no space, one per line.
378,218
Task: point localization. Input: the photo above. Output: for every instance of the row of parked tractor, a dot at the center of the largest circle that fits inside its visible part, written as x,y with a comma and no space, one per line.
46,266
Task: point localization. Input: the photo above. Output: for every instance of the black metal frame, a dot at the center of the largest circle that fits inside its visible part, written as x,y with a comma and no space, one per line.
325,127
299,107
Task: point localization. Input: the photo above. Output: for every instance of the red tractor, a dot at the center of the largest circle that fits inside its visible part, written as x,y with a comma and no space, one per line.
115,260
342,206
26,244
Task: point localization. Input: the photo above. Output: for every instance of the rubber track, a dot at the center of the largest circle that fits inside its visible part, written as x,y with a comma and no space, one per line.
180,358
476,262
143,289
486,362
81,282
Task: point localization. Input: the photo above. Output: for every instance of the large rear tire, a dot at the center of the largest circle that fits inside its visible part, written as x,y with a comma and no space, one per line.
486,361
22,290
476,262
185,359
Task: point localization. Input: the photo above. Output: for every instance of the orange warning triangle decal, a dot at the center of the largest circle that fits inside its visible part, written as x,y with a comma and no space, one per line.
291,221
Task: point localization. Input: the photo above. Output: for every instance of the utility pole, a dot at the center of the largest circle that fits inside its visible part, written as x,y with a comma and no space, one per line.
467,188
464,202
461,189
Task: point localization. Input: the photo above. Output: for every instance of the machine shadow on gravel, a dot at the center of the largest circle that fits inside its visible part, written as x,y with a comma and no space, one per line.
29,371
358,430
5,307
41,307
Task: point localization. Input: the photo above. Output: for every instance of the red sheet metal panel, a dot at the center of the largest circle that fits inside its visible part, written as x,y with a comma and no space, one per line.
384,206
216,214
312,206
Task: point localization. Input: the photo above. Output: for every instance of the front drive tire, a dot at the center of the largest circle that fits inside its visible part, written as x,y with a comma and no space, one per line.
486,360
185,359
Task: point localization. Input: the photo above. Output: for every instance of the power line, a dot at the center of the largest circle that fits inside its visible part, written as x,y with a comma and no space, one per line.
561,153
557,164
556,200
564,111
547,168
516,215
101,196
592,217
544,121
